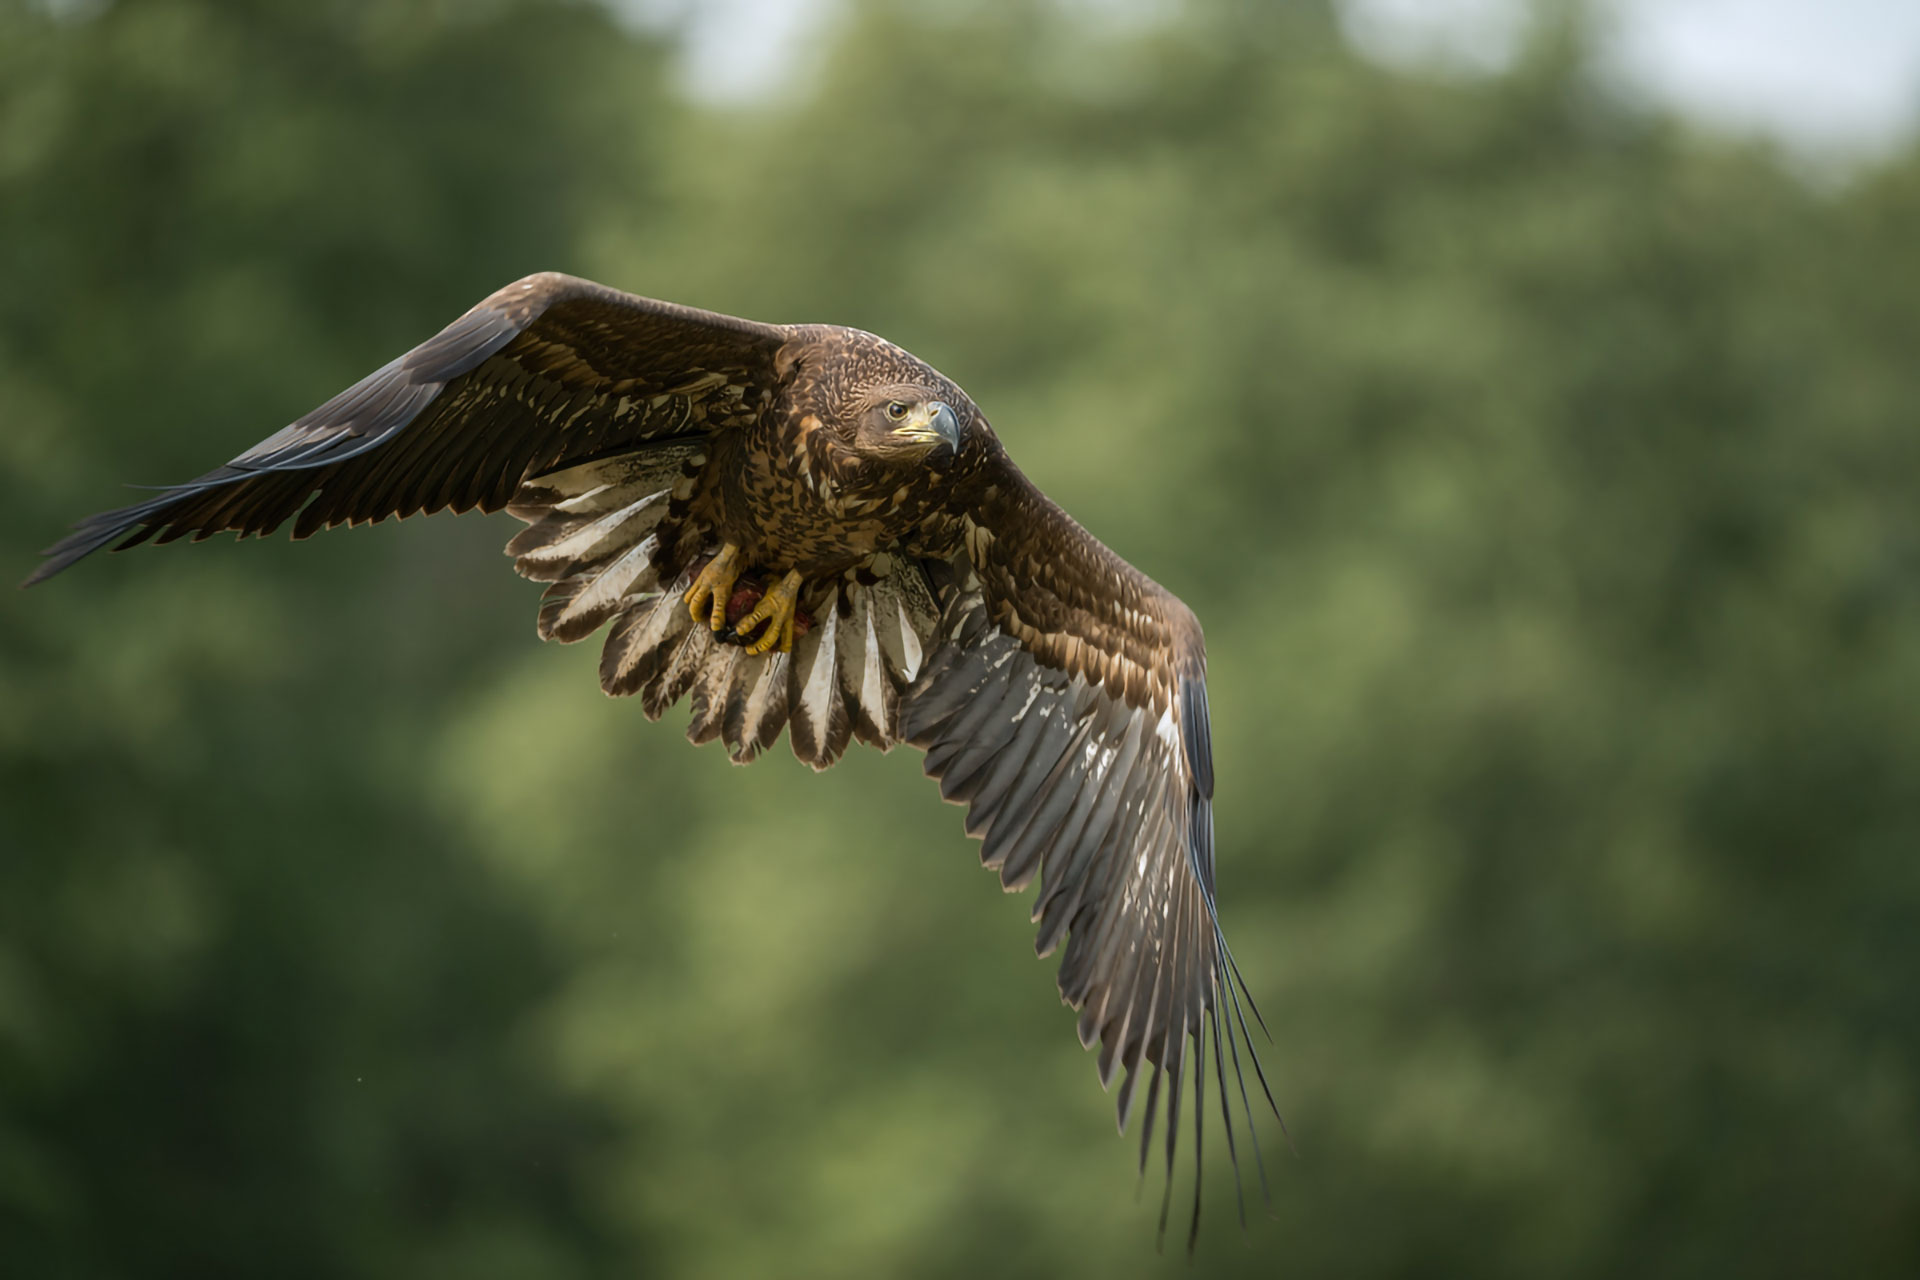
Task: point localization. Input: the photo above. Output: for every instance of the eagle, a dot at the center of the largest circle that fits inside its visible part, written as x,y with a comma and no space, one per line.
806,527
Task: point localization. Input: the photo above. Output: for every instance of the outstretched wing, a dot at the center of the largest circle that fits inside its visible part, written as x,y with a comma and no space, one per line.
550,371
1066,706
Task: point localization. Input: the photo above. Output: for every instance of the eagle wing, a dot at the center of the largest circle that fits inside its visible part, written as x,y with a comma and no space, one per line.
548,372
1066,706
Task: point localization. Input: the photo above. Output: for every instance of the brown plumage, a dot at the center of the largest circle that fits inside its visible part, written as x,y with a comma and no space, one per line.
664,458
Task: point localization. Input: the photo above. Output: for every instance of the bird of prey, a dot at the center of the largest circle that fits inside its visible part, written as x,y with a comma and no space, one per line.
804,526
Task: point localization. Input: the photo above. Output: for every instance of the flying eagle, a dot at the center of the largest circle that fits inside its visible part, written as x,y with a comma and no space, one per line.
804,526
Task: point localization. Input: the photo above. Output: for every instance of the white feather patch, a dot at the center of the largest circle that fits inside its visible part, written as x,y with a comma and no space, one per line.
912,652
631,574
893,625
584,504
664,620
607,483
874,691
710,692
860,658
608,533
756,704
817,688
676,674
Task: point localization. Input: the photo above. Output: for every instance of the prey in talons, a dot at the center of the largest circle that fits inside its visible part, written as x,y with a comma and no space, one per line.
779,609
735,603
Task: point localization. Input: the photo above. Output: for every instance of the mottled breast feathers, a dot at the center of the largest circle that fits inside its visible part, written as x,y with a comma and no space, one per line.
942,600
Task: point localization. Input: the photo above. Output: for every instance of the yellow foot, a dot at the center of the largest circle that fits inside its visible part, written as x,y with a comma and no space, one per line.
777,609
715,585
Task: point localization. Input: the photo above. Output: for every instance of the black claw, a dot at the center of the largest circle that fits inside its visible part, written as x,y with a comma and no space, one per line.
734,635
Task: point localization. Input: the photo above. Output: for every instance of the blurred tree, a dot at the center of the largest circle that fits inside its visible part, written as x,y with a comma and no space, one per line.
257,1013
1543,476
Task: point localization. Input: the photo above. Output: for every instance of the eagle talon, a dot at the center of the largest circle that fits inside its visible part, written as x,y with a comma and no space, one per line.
714,587
777,608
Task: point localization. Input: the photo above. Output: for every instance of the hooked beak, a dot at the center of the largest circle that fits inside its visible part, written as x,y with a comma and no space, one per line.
932,424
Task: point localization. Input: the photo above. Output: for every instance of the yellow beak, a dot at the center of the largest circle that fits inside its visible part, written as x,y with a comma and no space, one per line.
932,423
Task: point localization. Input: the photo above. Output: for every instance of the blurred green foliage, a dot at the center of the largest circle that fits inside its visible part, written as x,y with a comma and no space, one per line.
1542,471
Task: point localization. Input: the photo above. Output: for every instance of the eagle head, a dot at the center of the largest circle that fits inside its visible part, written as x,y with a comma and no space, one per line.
907,423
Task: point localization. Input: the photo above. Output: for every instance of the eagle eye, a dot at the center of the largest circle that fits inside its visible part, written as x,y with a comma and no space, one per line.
897,410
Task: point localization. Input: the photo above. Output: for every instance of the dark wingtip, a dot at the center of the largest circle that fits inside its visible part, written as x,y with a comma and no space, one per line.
68,550
40,574
136,524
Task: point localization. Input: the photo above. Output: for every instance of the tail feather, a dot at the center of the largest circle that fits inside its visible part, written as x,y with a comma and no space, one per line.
904,612
573,609
872,699
817,714
709,697
600,535
756,705
560,545
676,671
640,640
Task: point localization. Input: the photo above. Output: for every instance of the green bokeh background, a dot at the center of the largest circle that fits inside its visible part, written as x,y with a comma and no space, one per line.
1543,472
